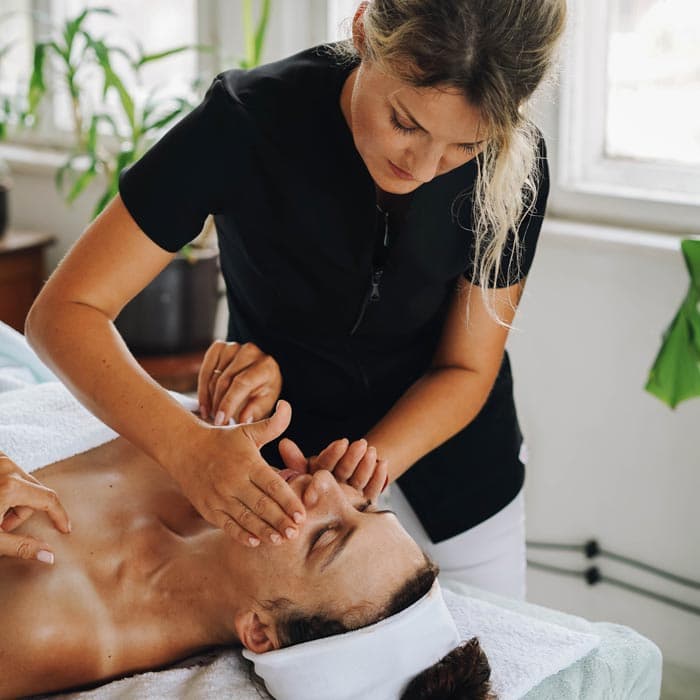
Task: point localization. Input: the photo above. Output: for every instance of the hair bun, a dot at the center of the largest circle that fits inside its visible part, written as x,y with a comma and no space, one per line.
464,674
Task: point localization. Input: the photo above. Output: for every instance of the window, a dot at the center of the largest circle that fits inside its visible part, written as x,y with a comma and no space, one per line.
628,137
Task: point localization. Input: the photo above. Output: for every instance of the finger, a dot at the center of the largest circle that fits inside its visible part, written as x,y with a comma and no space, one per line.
269,429
25,547
276,503
376,483
15,517
18,492
236,364
209,364
258,406
292,456
234,359
349,461
226,523
330,455
364,470
248,384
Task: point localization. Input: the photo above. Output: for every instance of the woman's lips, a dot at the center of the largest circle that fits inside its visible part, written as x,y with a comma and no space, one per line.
400,173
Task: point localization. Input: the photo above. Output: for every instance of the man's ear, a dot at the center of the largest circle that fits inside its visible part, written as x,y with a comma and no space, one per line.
255,633
358,29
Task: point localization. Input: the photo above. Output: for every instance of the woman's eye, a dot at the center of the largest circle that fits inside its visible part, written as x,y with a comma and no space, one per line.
400,127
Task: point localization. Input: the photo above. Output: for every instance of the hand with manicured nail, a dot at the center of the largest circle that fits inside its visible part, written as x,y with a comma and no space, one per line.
20,496
234,488
353,463
237,381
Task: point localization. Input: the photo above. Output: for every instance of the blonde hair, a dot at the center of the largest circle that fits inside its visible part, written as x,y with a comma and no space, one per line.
496,52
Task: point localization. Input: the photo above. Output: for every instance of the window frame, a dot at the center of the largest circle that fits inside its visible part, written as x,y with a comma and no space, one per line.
588,184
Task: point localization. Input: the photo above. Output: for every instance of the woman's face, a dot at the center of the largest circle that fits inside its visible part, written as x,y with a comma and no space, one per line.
425,132
347,554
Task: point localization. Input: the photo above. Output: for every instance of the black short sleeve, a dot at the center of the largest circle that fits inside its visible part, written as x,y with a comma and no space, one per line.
184,177
512,270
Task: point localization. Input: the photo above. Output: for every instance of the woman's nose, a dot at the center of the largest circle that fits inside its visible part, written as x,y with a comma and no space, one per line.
426,163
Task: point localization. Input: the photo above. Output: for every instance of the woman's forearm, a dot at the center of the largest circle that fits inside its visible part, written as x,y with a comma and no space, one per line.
82,346
436,407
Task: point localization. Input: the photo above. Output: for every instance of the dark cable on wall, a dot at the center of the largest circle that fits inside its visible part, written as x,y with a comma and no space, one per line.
592,575
591,549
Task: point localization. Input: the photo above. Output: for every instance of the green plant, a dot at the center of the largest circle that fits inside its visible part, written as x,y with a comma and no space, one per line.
96,152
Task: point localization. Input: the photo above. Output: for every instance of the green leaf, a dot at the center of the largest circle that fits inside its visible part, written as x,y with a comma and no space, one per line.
37,87
84,179
261,30
149,58
111,79
675,374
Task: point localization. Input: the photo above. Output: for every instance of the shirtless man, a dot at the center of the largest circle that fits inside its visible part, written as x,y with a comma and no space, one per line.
142,580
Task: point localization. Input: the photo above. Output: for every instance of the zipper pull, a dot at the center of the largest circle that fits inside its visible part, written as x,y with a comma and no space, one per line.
376,279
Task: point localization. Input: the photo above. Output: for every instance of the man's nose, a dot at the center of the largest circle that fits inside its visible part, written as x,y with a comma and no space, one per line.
325,490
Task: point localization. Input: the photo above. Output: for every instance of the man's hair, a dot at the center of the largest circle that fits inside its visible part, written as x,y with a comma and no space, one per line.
463,674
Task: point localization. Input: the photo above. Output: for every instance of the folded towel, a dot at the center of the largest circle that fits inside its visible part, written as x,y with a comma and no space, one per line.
522,651
43,423
15,352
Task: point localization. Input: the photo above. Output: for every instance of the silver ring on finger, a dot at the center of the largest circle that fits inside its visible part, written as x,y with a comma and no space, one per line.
217,371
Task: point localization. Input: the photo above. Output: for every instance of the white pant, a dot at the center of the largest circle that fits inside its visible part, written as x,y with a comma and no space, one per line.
491,555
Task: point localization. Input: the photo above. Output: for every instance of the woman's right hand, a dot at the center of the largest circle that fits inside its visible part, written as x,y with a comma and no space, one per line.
225,477
237,381
20,495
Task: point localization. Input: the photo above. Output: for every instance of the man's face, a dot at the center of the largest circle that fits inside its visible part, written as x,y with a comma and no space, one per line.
346,554
423,131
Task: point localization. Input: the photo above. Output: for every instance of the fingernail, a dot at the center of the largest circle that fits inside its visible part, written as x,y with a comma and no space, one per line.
70,526
219,420
46,557
275,538
298,517
249,419
254,541
291,533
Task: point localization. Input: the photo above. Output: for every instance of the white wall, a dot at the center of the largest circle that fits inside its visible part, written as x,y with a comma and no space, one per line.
608,460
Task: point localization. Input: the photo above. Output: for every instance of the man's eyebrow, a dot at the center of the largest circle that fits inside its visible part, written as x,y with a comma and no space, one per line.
345,539
422,128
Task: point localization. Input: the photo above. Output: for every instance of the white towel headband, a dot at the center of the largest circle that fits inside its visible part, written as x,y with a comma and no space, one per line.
373,663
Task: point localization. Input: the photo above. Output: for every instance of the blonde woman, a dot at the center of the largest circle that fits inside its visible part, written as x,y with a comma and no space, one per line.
377,203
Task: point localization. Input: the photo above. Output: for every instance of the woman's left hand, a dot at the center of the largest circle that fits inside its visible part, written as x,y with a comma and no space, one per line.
355,464
238,381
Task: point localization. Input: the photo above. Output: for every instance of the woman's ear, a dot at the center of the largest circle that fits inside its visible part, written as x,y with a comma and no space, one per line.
254,633
358,28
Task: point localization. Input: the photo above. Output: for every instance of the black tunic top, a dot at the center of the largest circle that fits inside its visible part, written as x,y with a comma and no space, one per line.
270,155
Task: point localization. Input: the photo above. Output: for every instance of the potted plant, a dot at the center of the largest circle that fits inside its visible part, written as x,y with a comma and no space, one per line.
176,311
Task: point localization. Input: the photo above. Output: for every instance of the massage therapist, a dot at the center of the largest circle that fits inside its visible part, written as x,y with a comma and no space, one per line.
377,203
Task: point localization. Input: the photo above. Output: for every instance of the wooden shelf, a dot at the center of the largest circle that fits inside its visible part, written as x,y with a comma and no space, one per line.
22,273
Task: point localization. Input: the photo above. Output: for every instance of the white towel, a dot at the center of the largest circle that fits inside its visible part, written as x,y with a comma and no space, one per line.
522,651
44,423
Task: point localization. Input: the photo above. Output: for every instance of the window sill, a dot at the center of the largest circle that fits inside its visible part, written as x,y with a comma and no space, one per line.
24,159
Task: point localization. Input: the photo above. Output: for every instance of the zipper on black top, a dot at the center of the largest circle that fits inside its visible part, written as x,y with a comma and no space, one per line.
379,260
